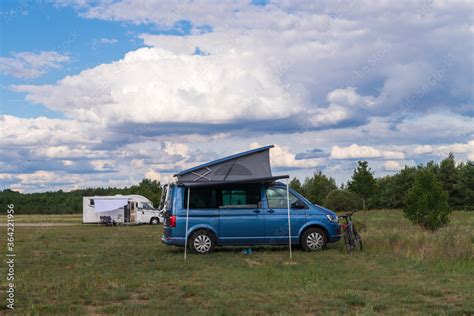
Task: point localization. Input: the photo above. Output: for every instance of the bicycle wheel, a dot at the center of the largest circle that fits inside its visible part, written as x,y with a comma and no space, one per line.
348,241
357,241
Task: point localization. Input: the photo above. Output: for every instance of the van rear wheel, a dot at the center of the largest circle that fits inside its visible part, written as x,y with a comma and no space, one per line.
201,241
313,239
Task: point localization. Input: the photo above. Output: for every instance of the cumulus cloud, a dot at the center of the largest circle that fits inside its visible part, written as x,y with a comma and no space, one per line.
268,63
301,75
457,148
27,65
161,86
392,165
17,131
355,151
424,149
282,158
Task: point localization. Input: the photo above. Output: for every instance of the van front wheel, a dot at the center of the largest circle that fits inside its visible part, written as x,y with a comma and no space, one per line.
313,239
154,221
201,241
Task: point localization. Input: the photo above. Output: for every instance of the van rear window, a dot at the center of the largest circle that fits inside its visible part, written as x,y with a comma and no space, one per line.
201,198
227,197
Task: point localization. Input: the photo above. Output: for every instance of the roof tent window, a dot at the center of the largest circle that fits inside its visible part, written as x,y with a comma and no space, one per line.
240,197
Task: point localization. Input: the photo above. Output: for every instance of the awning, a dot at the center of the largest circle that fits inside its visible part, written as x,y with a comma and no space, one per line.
105,205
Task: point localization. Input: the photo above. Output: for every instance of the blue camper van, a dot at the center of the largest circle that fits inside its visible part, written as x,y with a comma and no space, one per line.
236,201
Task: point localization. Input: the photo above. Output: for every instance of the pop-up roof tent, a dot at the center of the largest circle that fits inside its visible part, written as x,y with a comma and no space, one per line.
251,166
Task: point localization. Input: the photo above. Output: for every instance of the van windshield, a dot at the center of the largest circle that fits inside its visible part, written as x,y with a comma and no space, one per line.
147,206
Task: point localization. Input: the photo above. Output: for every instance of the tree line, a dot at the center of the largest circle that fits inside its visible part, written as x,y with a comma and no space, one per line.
362,191
60,202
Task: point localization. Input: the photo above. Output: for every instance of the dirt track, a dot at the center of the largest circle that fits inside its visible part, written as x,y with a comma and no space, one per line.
40,224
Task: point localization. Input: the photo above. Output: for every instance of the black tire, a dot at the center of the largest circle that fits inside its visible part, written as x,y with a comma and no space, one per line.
154,221
201,241
313,239
352,241
358,241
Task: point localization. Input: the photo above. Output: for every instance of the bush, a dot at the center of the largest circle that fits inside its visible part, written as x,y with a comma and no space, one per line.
426,202
342,200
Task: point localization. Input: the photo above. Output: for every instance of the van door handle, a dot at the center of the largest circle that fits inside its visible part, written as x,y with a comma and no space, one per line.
256,211
270,211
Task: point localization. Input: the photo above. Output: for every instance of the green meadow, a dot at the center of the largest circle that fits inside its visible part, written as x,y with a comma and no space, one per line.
89,269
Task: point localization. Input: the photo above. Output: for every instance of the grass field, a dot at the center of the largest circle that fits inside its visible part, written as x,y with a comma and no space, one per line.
100,270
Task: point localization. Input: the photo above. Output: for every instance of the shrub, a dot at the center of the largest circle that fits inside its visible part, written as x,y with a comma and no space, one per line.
342,200
426,202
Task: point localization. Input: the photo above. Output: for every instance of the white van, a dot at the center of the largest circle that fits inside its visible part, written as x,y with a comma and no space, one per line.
119,209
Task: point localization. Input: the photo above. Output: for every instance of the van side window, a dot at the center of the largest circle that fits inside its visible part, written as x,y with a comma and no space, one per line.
276,198
240,197
227,197
200,198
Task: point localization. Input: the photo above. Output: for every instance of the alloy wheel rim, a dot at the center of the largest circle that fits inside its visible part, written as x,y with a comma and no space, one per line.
315,241
202,243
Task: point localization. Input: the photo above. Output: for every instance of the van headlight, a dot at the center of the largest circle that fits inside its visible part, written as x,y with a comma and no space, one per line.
333,218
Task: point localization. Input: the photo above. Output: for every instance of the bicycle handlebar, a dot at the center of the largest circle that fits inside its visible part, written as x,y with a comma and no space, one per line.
347,215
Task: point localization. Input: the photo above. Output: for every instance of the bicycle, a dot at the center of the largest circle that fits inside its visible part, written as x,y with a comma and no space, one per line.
352,239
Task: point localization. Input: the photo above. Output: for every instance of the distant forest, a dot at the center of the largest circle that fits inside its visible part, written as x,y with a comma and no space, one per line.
383,192
60,202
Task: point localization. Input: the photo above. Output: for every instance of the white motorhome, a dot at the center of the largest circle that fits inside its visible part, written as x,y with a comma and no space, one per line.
119,209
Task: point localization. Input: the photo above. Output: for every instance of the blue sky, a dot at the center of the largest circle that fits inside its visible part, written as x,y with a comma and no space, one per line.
106,93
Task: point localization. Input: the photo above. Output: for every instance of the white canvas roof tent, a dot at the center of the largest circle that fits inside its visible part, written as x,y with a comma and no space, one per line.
251,166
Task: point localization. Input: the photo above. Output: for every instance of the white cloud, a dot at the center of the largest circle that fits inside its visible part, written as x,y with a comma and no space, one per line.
457,148
32,65
79,151
154,175
17,131
161,86
137,163
392,165
424,149
282,157
103,165
355,151
176,149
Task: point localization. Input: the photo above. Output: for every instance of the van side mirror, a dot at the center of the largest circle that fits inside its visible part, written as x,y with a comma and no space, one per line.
298,205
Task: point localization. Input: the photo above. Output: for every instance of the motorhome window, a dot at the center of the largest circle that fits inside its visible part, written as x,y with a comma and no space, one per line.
276,198
91,202
201,198
240,197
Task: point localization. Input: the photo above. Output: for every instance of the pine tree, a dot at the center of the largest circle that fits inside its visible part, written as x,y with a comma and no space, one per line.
447,174
295,184
318,186
465,186
363,182
427,201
